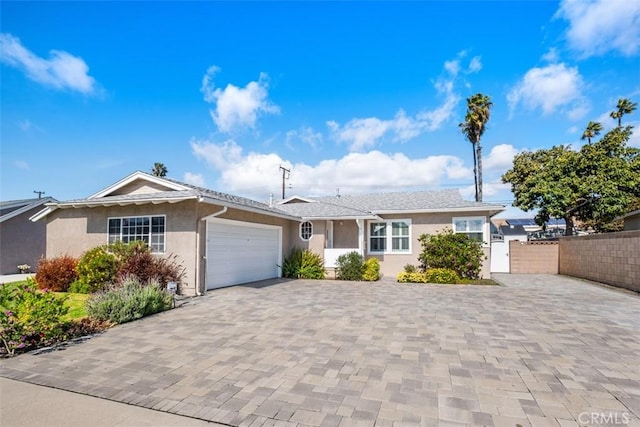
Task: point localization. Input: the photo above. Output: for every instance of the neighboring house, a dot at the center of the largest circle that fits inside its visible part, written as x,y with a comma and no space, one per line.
21,241
224,240
631,220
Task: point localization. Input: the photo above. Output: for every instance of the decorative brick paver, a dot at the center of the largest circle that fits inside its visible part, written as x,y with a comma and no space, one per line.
542,350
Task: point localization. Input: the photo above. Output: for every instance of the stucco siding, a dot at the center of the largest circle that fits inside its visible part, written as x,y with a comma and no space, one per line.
632,223
139,187
345,233
21,242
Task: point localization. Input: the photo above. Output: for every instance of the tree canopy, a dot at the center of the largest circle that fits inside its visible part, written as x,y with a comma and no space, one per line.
594,185
159,170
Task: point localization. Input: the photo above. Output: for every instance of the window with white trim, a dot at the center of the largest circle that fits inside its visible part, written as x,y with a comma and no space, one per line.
306,230
393,236
149,229
471,226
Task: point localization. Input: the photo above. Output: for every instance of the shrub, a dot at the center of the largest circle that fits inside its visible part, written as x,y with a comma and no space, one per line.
96,268
128,302
410,268
56,274
350,266
371,270
441,275
124,251
415,277
147,267
29,318
453,251
303,264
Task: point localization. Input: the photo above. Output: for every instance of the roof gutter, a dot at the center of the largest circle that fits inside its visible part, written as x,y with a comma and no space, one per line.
498,208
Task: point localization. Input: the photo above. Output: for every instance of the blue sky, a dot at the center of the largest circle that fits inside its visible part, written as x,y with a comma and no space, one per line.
356,96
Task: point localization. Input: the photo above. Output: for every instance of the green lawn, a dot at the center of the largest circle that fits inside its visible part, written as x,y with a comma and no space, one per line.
75,302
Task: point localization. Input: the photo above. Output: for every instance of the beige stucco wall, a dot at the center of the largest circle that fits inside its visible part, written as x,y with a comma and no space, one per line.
73,231
345,233
612,258
139,187
21,242
536,257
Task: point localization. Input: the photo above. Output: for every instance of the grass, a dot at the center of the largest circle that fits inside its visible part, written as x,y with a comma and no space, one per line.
75,302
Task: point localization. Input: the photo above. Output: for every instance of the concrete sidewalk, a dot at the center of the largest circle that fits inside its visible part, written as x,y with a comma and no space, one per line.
24,404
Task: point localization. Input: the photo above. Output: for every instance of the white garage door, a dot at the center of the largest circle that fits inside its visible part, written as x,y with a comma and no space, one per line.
241,252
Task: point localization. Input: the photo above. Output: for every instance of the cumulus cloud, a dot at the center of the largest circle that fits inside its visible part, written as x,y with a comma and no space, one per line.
257,174
500,157
364,133
194,179
60,71
599,26
549,89
237,106
489,189
306,135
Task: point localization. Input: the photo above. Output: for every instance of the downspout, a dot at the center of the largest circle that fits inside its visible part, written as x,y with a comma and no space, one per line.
198,245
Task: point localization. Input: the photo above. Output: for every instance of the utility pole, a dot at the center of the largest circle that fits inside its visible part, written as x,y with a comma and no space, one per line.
286,173
39,193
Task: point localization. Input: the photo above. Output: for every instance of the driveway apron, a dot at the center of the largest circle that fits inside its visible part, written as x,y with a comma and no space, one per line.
541,350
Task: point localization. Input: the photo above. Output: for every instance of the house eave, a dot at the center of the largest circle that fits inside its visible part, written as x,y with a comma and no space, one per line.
137,175
245,208
340,218
25,208
492,209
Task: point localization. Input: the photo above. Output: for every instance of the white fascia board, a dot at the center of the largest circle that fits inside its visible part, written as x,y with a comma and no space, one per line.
137,175
26,208
124,202
340,218
46,211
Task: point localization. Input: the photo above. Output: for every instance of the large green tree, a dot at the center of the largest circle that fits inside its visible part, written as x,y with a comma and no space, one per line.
595,184
625,106
473,127
593,129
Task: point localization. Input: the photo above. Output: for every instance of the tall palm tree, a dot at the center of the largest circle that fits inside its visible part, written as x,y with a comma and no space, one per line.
159,170
625,106
593,129
473,127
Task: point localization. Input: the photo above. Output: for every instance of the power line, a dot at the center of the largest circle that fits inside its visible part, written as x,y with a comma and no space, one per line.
286,174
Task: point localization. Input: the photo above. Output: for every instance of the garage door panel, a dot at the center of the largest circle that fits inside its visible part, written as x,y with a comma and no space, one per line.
240,253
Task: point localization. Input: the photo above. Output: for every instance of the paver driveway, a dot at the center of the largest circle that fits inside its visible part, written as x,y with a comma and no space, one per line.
542,350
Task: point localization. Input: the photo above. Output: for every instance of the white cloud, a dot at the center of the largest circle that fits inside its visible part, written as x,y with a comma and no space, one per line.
634,140
551,55
306,135
194,179
599,26
258,174
475,65
500,157
61,71
490,189
550,88
364,133
21,164
237,106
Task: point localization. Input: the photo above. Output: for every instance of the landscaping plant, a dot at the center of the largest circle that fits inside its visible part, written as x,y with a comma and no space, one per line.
56,274
29,318
303,264
441,275
96,268
453,251
371,270
130,301
350,266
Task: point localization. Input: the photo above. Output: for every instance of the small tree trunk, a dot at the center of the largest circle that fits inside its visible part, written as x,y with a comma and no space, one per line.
479,173
568,231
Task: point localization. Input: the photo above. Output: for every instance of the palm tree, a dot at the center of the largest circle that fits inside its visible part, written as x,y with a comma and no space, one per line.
625,106
159,170
473,127
593,129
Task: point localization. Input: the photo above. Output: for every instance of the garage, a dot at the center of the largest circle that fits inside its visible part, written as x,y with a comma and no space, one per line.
241,252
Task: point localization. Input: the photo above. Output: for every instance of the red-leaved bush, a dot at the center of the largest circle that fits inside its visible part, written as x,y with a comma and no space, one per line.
146,267
56,274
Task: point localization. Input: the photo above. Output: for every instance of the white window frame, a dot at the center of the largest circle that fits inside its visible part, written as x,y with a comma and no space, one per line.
485,240
310,230
163,234
389,237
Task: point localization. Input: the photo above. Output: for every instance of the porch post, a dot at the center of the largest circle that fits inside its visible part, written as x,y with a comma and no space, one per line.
360,223
328,244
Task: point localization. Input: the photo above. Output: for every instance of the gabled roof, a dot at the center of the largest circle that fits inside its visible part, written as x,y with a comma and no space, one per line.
372,205
12,208
513,230
167,191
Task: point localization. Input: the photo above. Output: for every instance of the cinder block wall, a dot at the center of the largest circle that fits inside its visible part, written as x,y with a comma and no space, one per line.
612,258
533,257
